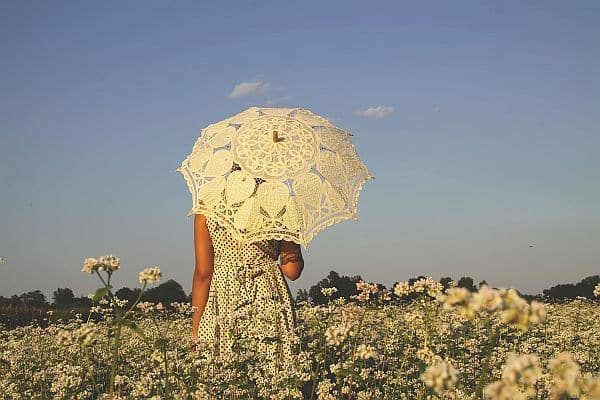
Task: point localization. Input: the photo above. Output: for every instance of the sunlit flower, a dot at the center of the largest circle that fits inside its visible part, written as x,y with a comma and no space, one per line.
427,285
502,390
457,297
566,374
402,289
328,291
335,335
440,377
63,337
150,275
486,299
523,371
365,289
365,352
326,391
385,295
109,262
90,265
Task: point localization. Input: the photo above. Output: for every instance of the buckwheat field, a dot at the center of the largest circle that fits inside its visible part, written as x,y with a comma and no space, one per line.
439,344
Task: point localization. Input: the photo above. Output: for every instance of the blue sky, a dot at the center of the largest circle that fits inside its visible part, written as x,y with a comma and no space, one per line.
489,144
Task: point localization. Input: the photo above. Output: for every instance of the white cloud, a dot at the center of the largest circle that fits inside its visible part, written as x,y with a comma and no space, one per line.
376,112
245,88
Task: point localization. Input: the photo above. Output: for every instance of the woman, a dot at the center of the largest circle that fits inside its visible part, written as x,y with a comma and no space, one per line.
232,278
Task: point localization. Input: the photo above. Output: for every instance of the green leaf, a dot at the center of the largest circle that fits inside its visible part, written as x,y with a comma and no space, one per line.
101,292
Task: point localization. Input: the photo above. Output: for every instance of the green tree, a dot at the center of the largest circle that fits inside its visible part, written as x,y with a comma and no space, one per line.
165,293
302,295
63,298
445,282
34,299
82,301
126,293
467,283
346,287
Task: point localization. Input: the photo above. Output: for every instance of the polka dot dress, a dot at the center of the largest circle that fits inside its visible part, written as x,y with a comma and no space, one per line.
247,279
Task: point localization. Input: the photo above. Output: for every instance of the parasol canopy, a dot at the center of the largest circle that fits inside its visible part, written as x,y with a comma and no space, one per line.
275,173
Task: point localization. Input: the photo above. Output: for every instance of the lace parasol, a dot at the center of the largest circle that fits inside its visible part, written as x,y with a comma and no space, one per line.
275,173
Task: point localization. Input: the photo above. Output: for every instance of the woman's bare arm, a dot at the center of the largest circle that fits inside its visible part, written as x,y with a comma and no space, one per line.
292,262
203,270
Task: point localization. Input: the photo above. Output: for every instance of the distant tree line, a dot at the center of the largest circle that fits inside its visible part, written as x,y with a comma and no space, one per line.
346,287
171,291
167,292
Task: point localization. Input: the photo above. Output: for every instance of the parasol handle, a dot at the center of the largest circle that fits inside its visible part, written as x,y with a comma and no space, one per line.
275,136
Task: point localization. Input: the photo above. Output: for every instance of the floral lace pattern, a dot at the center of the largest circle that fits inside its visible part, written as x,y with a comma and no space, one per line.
275,173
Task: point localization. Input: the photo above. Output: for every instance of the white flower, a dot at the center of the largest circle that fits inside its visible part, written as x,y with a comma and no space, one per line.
328,291
365,289
597,290
90,265
110,262
566,375
537,312
402,289
335,335
325,389
440,377
150,275
486,299
523,371
365,352
429,285
64,338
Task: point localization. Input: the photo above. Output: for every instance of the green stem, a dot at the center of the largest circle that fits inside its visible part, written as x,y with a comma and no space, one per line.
136,300
488,356
355,344
113,368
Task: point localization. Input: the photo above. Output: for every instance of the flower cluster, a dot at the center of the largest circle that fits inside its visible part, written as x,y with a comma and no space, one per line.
440,377
513,308
424,285
597,290
365,289
328,291
364,352
150,275
335,335
521,372
85,335
519,376
108,263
